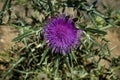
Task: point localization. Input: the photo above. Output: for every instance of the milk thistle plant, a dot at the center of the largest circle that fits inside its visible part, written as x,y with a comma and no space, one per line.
60,46
62,34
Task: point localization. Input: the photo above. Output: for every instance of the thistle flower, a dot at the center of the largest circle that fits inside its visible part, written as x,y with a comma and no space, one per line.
62,34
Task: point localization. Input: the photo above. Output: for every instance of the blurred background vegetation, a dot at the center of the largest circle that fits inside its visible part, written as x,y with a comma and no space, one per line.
24,54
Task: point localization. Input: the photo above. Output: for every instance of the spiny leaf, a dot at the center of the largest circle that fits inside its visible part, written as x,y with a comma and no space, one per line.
22,36
96,31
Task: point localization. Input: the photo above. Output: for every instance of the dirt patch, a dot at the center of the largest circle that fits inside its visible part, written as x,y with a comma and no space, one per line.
8,33
114,38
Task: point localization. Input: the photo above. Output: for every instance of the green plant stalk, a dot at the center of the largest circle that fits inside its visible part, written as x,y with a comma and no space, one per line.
115,68
50,7
92,19
14,65
9,10
3,9
43,57
57,66
93,4
24,72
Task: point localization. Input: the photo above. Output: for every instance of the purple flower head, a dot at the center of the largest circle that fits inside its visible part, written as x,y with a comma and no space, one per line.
62,34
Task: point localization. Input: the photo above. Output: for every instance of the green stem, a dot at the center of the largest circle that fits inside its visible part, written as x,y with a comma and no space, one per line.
9,10
57,65
14,65
115,68
24,72
50,7
3,9
92,19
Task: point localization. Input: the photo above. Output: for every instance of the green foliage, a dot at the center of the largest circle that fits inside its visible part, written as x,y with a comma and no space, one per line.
37,62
